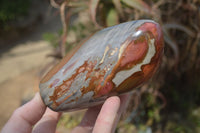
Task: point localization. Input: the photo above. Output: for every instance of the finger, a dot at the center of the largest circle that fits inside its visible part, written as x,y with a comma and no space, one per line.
48,122
107,116
88,121
124,101
26,116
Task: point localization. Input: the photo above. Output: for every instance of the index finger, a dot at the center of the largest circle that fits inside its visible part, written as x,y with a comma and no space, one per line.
23,118
110,113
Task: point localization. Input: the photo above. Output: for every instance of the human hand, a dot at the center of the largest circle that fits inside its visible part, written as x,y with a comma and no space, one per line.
35,117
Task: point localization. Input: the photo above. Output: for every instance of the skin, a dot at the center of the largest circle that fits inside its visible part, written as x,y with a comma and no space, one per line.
36,118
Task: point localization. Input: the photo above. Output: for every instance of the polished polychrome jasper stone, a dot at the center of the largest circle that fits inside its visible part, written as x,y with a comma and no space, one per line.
113,61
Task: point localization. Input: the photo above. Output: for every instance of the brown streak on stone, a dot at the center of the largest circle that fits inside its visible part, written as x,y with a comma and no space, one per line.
59,92
109,85
149,69
131,82
96,78
155,29
55,69
134,53
54,83
69,67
